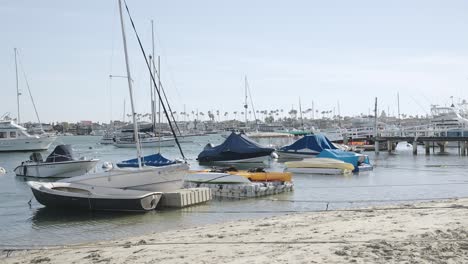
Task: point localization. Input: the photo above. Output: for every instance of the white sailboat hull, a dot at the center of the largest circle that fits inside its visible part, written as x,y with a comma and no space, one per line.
262,159
156,179
26,144
56,169
146,143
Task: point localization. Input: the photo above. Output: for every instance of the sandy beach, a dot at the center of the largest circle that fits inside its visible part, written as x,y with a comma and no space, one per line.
430,232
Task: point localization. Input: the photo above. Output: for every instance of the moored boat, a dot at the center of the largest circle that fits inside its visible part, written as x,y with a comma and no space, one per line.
255,174
61,163
319,166
237,148
308,146
14,137
72,196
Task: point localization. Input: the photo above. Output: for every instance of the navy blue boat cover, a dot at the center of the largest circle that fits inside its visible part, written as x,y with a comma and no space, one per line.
316,142
61,153
155,160
236,146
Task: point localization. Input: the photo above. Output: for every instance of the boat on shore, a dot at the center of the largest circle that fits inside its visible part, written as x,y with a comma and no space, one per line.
73,196
61,163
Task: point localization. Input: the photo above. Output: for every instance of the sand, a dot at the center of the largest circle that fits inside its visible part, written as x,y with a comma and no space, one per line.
432,232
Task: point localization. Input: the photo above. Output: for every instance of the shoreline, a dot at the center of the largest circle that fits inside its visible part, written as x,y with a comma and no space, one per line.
435,232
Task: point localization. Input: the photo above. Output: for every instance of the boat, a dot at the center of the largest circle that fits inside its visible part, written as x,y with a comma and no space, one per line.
237,148
14,137
60,163
156,160
255,174
149,178
107,139
146,141
308,146
359,161
216,178
73,196
319,166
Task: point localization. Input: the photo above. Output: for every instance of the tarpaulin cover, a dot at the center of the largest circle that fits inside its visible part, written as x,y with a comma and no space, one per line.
315,142
61,153
155,160
349,157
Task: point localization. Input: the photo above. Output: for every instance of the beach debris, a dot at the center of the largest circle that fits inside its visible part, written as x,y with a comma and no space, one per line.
40,259
2,171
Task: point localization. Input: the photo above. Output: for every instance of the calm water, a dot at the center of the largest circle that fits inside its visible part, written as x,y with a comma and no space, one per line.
396,177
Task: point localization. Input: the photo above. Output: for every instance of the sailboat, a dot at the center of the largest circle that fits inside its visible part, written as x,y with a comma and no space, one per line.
149,178
14,137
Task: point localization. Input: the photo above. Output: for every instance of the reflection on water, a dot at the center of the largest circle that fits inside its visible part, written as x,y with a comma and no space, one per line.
396,177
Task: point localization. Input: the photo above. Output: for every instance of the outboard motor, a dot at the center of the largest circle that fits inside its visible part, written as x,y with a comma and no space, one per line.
36,157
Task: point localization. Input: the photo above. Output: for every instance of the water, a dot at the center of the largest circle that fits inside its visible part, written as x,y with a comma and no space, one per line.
396,177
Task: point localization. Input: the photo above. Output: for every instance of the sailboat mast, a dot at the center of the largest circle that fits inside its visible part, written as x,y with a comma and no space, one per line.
245,104
17,89
129,78
300,112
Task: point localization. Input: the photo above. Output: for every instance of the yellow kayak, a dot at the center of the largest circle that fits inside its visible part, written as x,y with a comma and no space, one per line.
256,174
320,163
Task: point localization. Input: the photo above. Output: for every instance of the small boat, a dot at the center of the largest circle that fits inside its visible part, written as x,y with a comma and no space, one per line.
14,137
237,148
255,174
319,166
155,160
61,163
145,142
308,146
216,178
359,161
84,197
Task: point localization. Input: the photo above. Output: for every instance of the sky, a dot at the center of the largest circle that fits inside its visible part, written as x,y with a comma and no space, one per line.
327,53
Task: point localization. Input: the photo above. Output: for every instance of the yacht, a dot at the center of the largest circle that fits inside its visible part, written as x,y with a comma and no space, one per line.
14,137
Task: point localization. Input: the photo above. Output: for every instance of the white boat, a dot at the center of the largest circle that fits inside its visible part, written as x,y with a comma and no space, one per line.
107,139
262,159
148,178
14,137
59,164
72,196
149,142
216,178
319,166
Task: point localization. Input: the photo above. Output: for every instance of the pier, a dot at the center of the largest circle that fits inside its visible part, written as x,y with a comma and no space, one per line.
429,142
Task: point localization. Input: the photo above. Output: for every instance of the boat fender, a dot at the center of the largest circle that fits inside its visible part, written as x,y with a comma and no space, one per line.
2,171
274,155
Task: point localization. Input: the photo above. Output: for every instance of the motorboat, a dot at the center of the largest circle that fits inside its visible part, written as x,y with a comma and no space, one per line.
254,174
237,148
73,196
149,178
308,146
14,137
360,162
156,160
61,163
319,166
216,178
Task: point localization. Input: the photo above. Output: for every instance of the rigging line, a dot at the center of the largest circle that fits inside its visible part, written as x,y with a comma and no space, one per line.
154,81
251,102
113,26
165,97
29,90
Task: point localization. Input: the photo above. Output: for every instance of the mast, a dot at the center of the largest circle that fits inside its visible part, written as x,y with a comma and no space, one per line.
17,89
300,112
399,120
153,114
159,102
129,78
245,103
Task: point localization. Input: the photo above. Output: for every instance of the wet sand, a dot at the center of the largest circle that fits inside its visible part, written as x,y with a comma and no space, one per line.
431,232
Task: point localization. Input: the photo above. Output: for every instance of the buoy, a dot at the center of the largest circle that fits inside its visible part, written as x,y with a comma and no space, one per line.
2,171
107,165
274,155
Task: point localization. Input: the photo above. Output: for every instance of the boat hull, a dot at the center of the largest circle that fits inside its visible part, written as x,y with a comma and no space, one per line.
328,171
156,179
296,155
80,197
146,144
56,169
26,144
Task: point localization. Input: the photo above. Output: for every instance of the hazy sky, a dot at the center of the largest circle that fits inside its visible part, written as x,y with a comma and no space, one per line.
320,51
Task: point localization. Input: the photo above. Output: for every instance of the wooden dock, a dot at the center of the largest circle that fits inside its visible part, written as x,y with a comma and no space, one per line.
429,142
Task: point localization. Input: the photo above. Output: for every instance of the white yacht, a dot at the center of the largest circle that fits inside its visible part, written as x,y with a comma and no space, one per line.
14,137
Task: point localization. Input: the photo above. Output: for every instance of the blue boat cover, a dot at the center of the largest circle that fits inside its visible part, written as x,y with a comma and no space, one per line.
236,146
155,160
349,157
316,142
